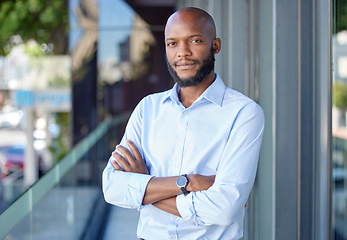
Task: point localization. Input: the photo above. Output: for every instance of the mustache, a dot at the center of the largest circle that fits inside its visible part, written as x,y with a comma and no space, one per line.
185,59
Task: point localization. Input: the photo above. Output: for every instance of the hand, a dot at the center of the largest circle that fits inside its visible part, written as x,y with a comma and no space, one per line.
128,162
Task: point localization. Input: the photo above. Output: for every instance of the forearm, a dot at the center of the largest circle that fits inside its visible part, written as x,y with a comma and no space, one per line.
168,205
160,188
196,183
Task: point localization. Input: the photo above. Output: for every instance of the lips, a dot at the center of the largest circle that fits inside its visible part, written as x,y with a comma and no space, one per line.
183,64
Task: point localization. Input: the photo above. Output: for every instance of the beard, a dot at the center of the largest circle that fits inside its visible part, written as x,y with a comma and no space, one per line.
206,68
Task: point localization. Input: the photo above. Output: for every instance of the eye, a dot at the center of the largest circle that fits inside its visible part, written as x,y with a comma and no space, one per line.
196,41
170,44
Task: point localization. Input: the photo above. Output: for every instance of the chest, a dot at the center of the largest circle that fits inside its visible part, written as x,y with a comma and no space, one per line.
189,141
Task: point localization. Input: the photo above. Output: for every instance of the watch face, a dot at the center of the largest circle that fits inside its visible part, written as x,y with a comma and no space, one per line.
182,181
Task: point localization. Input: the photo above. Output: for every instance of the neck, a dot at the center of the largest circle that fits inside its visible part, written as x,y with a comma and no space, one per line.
188,95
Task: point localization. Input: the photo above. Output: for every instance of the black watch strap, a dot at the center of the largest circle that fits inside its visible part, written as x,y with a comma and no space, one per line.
184,190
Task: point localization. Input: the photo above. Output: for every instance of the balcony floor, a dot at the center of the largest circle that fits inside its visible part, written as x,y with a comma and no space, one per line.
122,224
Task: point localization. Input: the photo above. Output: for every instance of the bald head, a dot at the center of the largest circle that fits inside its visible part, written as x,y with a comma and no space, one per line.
196,16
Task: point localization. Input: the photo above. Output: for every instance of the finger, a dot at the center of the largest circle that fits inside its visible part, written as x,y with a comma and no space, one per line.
246,204
127,154
134,149
120,159
116,166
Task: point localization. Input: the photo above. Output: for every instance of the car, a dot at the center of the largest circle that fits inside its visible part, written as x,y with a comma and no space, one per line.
11,159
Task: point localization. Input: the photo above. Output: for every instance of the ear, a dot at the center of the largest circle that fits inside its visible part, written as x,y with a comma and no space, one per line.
217,45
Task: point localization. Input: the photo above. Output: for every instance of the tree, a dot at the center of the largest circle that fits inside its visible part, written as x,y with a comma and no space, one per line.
45,21
340,19
340,94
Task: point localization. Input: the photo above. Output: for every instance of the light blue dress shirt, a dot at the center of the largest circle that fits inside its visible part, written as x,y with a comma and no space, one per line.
219,134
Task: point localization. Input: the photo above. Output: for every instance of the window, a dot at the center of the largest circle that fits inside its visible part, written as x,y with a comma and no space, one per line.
339,123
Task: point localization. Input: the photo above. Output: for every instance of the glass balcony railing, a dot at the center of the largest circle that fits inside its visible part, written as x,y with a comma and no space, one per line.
67,202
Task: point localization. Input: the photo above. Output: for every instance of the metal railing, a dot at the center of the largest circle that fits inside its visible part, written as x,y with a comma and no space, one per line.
25,203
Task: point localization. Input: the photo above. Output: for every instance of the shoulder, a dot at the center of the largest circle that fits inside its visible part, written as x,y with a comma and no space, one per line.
153,100
243,104
237,99
160,96
232,98
148,105
233,95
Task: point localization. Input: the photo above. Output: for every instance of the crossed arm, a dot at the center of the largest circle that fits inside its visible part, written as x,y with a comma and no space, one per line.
161,192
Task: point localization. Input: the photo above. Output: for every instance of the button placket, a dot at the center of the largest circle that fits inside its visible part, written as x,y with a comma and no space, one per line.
185,121
172,227
181,127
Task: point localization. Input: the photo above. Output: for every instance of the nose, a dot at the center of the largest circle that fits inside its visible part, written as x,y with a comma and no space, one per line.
183,50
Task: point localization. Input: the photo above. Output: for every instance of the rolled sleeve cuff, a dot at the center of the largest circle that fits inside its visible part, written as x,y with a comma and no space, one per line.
185,206
137,184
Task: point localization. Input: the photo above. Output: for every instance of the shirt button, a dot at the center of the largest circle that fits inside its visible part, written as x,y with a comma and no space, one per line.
186,113
172,237
180,137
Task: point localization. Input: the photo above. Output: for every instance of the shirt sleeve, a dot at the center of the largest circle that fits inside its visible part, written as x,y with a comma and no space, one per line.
222,203
126,189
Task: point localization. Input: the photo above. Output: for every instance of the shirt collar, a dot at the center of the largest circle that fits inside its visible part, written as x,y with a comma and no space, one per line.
214,93
172,94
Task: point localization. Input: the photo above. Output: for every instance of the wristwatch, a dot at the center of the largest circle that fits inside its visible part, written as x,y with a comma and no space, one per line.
182,182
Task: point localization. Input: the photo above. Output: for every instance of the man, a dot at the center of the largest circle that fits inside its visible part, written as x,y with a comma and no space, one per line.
188,158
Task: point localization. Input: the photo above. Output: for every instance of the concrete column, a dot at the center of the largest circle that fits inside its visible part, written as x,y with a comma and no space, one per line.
47,155
30,162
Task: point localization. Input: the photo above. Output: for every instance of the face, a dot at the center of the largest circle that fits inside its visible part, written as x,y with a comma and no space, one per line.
190,49
201,73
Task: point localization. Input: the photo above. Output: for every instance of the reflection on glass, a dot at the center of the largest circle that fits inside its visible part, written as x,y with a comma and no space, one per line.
33,93
123,49
124,46
32,135
339,121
